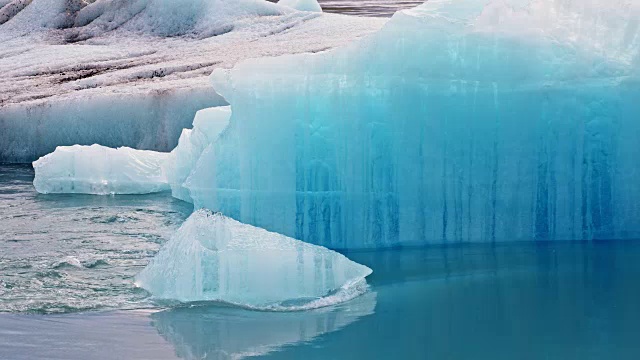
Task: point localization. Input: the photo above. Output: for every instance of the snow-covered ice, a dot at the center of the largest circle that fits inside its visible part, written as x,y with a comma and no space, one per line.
216,258
100,170
134,73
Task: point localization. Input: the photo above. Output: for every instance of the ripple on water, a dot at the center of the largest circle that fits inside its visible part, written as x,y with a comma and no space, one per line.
61,253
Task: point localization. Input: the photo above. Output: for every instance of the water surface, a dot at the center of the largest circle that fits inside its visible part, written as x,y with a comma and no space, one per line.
66,292
65,253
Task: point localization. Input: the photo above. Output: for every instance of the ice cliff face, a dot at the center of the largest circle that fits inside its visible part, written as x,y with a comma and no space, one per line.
470,120
134,72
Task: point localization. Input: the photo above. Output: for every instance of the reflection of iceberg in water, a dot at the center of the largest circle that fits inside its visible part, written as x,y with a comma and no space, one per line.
234,333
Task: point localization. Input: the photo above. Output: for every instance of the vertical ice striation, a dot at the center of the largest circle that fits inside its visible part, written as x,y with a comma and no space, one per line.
461,120
215,258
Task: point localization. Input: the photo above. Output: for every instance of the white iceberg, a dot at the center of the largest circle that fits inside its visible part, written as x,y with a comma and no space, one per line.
100,170
215,258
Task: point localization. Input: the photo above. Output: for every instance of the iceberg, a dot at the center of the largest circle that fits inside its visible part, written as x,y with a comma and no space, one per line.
100,170
215,258
459,121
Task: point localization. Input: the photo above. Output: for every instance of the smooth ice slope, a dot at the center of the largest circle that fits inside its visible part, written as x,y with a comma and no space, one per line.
302,5
461,120
100,170
208,124
215,258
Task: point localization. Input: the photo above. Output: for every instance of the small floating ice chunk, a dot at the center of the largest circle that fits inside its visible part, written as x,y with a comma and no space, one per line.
216,258
100,170
208,124
302,5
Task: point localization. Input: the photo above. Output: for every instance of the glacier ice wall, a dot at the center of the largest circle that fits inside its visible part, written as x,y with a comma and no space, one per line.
215,258
465,120
100,170
143,121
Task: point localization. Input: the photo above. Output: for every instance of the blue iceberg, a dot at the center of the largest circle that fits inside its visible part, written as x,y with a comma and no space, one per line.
460,121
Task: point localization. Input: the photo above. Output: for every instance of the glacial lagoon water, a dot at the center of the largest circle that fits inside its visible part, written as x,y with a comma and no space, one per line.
73,257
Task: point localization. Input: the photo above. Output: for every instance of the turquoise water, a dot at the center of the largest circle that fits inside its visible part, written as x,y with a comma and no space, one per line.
73,259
